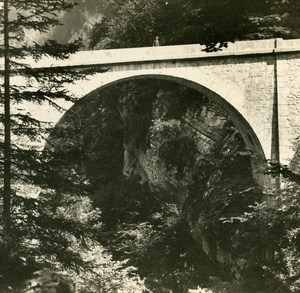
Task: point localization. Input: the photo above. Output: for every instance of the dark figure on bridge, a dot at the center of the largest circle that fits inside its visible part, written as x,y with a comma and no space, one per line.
156,42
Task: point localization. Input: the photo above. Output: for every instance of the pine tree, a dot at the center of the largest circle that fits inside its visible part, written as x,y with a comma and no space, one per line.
33,231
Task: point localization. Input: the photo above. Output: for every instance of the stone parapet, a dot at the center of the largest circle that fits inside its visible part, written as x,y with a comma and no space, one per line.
167,53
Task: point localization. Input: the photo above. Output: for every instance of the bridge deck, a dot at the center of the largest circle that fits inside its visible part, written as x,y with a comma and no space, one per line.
167,53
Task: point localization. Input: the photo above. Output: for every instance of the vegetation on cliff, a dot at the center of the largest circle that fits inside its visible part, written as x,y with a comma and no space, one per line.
155,157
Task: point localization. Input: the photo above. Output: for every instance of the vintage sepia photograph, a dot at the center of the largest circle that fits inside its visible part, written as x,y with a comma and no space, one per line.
150,146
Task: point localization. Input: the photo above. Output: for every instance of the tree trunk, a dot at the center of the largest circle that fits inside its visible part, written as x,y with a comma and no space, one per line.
7,124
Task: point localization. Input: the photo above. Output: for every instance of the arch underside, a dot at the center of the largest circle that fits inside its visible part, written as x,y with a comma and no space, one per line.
216,90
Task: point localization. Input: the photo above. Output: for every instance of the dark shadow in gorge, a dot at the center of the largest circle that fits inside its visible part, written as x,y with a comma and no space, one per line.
165,165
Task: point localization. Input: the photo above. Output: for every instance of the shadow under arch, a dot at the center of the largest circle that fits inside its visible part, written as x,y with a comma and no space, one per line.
251,140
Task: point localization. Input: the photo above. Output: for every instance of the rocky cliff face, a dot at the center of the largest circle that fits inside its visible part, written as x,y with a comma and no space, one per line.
167,137
176,146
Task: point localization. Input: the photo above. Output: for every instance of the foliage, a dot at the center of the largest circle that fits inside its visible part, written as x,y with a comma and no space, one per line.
213,23
107,275
34,87
47,280
57,232
146,222
161,248
200,290
43,233
274,235
52,220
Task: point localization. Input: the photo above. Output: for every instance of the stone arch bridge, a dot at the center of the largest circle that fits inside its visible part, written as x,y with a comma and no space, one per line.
256,82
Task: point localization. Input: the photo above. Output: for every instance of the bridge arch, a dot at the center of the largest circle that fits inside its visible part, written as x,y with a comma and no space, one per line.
228,96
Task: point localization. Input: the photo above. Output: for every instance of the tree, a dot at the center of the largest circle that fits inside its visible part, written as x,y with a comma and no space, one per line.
27,17
35,233
213,23
7,138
